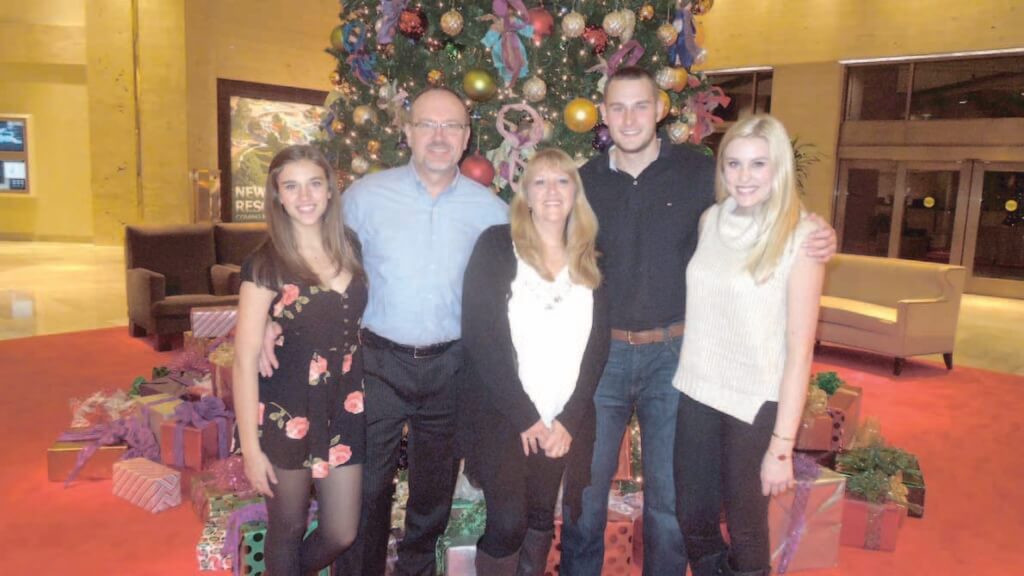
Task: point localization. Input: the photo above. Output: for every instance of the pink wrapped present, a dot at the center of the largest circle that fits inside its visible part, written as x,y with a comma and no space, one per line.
213,321
198,434
210,548
804,523
146,484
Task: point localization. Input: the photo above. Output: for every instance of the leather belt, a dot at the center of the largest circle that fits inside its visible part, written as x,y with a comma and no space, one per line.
649,336
379,342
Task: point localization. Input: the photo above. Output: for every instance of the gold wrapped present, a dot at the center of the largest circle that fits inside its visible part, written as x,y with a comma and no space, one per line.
62,456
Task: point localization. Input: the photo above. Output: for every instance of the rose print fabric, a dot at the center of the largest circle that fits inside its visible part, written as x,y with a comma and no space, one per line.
311,409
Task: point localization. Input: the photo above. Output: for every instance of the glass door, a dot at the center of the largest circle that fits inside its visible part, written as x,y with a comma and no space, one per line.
934,211
864,212
994,235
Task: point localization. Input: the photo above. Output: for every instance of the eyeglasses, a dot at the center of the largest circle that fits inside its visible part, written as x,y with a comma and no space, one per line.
446,127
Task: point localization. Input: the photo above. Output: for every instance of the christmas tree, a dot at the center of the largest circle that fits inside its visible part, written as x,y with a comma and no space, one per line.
530,73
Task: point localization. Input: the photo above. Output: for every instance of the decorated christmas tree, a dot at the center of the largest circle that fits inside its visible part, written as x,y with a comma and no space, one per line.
530,72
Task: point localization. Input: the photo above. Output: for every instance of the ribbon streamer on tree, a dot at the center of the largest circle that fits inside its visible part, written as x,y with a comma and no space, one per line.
390,12
510,158
362,63
703,104
509,54
627,55
685,49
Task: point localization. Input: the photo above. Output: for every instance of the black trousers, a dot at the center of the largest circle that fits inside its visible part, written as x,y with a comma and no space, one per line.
420,392
718,465
520,494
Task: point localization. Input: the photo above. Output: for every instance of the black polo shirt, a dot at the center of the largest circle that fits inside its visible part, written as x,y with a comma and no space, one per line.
648,232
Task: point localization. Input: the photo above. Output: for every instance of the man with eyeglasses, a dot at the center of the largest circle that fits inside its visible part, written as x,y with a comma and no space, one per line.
417,224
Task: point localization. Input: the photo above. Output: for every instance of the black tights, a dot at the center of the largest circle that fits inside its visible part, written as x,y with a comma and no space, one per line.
339,497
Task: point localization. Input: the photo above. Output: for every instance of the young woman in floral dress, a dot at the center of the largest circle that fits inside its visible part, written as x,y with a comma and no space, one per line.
304,425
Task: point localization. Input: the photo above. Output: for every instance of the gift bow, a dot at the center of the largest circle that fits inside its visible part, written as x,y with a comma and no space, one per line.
140,440
516,144
511,45
199,414
390,11
361,63
627,55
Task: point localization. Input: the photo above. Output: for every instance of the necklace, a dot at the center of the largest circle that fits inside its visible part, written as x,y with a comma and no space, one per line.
548,294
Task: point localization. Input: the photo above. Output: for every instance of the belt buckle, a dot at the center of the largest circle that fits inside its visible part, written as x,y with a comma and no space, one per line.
629,338
419,352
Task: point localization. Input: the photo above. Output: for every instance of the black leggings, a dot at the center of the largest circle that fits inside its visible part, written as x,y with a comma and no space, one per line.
520,496
339,496
718,464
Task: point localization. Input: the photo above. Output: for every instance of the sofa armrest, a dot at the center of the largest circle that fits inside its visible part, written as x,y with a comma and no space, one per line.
928,318
144,288
227,279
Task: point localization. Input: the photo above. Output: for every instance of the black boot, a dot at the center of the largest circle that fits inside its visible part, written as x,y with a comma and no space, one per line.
533,554
487,565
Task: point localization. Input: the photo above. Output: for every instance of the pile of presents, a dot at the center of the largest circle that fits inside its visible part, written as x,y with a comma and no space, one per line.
168,439
852,490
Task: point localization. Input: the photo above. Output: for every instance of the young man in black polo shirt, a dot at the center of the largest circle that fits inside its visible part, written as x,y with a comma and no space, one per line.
648,195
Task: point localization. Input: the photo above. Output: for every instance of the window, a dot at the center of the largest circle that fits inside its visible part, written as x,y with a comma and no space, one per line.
991,87
750,93
13,155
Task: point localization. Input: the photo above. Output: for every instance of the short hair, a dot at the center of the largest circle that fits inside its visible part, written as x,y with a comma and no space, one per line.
632,73
278,260
780,213
580,230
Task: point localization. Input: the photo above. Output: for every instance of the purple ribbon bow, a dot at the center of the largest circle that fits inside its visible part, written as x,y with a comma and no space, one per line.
390,12
685,49
199,414
361,62
628,54
140,440
511,45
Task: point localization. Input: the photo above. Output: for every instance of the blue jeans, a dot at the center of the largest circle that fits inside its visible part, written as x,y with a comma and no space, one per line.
640,376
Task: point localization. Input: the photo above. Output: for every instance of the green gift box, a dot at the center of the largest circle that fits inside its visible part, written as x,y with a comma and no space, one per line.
250,552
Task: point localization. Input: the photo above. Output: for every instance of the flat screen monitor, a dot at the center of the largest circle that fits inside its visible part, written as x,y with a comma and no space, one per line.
12,135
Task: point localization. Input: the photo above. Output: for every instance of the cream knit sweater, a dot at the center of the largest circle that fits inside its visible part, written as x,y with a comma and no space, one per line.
734,350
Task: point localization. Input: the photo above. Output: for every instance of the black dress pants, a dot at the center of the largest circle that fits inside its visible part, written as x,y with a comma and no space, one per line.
420,392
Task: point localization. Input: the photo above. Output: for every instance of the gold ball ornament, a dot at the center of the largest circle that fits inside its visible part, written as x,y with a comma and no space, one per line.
363,115
667,34
479,85
666,104
434,77
360,165
614,24
573,25
670,78
337,126
535,89
646,12
335,78
338,38
701,7
373,147
580,115
348,91
678,132
451,23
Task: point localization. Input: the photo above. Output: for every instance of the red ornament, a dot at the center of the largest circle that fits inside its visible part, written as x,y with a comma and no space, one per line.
596,37
543,23
479,168
413,23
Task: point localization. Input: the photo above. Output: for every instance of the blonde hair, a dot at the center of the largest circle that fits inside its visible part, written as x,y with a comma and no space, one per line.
278,260
780,213
580,230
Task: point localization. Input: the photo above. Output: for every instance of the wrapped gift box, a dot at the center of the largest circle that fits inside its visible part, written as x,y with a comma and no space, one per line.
209,549
914,481
618,546
208,500
157,409
807,538
62,456
213,321
869,525
171,386
221,380
833,430
147,484
460,557
199,445
250,553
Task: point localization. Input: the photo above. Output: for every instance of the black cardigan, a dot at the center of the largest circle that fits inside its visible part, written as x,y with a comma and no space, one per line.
499,409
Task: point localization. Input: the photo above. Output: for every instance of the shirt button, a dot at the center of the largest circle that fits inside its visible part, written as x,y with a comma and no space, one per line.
636,183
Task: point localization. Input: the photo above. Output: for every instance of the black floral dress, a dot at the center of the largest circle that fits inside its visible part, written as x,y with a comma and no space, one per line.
311,409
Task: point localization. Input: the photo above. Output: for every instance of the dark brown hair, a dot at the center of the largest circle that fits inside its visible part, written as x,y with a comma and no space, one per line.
278,258
632,73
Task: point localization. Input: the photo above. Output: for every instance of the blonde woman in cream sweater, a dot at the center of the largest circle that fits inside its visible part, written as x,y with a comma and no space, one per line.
752,307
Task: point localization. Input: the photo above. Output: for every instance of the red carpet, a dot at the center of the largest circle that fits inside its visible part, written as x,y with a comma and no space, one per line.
964,426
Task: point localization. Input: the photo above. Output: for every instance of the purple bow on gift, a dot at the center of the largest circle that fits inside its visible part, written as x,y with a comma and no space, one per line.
140,440
256,512
199,414
806,471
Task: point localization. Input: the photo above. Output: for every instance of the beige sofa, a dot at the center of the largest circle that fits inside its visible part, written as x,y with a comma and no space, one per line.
895,307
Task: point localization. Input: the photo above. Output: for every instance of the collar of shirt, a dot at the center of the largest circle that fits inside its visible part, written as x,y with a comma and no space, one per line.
420,185
664,149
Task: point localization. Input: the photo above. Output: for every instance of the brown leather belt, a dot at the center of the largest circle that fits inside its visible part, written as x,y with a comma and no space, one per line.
649,336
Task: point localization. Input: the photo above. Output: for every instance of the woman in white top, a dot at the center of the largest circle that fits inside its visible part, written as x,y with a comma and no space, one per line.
535,327
752,308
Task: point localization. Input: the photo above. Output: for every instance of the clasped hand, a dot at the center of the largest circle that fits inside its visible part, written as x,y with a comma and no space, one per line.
554,441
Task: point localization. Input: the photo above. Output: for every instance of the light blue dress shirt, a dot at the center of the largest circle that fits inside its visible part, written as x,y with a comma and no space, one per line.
415,250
